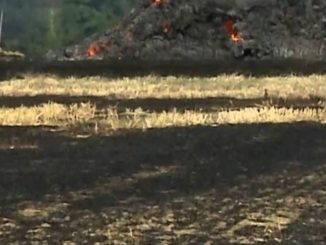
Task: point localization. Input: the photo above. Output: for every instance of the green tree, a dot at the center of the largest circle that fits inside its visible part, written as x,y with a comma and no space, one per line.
82,18
54,33
34,26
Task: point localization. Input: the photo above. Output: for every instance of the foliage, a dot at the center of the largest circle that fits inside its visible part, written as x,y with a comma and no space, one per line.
34,26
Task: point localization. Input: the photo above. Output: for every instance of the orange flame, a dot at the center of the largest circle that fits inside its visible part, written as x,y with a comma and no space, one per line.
157,2
234,35
95,48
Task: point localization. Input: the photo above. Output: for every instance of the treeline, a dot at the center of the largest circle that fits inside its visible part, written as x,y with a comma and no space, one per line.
34,26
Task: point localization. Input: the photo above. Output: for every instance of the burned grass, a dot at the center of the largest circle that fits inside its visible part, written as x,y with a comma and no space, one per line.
127,164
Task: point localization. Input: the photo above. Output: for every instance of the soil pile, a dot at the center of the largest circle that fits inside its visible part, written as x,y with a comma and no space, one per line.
212,30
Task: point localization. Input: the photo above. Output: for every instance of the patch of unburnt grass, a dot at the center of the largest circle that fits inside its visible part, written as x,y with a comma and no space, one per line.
142,120
236,86
46,114
86,114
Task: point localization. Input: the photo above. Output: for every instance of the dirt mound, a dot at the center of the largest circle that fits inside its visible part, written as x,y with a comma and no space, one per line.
212,30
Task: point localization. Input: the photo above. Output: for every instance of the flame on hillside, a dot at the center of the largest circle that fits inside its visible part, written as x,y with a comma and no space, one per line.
158,2
232,31
95,48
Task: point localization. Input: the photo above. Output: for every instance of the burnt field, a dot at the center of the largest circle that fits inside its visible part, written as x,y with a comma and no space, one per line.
234,157
186,122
